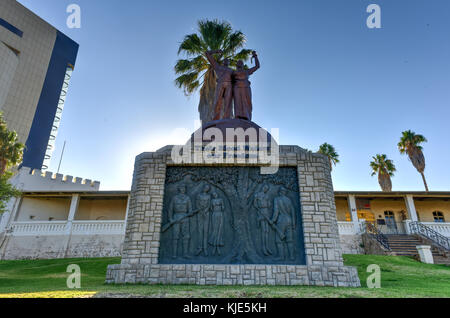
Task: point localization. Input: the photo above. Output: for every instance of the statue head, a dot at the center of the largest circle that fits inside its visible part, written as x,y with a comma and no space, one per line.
226,62
215,195
206,188
240,65
265,188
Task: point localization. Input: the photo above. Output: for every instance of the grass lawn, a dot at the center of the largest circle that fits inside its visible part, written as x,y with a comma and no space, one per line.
400,277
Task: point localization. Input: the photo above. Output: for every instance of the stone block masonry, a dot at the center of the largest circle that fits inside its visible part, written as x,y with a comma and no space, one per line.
324,263
203,274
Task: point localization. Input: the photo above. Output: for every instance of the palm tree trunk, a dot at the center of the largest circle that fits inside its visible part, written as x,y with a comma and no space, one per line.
424,181
207,94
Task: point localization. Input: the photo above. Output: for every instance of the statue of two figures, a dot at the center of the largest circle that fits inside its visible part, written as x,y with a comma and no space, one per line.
233,87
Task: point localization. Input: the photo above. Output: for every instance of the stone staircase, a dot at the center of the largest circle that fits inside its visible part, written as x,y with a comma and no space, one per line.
405,245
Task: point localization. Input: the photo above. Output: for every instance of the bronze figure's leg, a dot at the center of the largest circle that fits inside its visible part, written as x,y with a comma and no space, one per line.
218,102
237,102
248,104
228,100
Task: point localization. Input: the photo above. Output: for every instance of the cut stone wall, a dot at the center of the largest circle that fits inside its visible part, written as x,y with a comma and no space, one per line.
351,244
321,237
372,247
202,274
59,246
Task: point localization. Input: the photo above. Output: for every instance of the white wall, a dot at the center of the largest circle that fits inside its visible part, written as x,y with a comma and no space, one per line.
43,209
101,209
47,247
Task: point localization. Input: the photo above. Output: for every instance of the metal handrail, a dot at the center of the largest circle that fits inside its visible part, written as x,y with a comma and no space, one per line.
429,233
380,237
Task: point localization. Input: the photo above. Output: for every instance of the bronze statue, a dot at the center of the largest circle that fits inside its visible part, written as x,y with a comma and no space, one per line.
224,89
217,208
203,205
262,205
284,217
242,93
180,209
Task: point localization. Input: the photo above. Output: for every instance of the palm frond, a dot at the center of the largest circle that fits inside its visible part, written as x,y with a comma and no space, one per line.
191,45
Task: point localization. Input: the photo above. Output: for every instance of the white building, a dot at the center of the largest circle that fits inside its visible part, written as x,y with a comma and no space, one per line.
59,216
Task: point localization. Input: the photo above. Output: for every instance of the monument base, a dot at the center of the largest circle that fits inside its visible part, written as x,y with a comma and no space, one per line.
202,274
154,241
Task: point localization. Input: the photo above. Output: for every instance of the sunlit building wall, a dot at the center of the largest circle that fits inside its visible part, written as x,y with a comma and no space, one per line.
34,79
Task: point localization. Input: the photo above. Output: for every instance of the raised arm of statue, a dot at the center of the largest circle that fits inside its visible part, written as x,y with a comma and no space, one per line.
257,65
211,59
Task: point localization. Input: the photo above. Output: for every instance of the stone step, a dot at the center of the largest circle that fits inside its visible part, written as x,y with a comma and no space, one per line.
442,260
404,241
404,244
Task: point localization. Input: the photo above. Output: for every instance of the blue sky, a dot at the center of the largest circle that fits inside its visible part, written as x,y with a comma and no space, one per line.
324,77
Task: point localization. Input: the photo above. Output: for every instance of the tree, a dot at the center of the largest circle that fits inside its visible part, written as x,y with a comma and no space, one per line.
196,72
11,150
385,169
10,155
7,191
410,144
329,151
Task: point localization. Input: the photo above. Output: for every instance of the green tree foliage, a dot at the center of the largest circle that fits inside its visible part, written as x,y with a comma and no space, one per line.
410,144
11,152
329,151
385,169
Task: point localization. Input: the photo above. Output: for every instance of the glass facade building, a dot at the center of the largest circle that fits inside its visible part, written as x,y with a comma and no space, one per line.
36,64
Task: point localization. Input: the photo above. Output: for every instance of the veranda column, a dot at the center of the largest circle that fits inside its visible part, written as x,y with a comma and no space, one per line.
72,211
352,207
412,213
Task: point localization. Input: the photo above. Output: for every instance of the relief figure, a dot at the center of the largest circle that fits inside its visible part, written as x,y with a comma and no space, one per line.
262,205
284,218
217,216
204,208
180,209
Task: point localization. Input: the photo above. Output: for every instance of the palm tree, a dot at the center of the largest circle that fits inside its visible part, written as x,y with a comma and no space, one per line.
385,169
329,151
410,144
11,150
195,71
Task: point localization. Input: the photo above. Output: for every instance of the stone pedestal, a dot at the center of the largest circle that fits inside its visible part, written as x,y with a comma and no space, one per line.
425,254
318,256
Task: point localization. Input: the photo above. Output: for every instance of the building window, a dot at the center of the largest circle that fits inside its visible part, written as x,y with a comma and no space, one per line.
390,219
389,215
438,217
